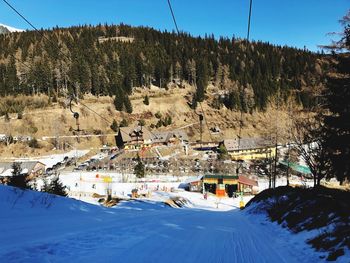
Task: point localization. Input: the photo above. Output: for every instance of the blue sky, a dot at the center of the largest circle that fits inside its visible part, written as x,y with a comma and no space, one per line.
296,23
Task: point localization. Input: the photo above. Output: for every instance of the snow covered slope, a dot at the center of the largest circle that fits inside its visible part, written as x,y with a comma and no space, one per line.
11,29
37,227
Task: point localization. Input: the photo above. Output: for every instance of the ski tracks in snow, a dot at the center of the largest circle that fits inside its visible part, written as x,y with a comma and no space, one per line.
163,235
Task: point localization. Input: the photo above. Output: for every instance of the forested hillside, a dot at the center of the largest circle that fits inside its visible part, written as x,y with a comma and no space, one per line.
111,60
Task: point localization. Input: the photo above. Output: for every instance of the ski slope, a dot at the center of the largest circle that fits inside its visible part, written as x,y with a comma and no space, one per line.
37,227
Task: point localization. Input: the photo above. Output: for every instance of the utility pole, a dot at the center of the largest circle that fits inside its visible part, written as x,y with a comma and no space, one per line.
276,142
290,132
201,129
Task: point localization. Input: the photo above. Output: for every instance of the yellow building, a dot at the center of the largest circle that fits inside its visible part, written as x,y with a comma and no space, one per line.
249,148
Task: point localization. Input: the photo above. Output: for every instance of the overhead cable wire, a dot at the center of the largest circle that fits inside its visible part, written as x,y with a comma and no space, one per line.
55,46
247,49
173,15
178,32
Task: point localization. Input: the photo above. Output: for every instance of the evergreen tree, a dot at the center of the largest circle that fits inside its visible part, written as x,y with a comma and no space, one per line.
139,169
124,123
222,152
337,123
202,81
115,126
119,100
127,104
84,66
56,187
17,179
146,100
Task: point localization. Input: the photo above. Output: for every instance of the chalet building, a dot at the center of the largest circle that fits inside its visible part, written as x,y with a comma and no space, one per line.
29,168
130,138
249,148
195,184
169,138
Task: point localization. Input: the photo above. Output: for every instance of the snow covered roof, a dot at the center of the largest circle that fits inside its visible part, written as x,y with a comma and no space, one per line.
166,136
26,167
194,179
246,144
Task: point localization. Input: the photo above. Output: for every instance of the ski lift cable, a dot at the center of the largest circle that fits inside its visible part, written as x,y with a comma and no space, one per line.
173,15
247,48
75,114
40,32
58,49
206,123
178,33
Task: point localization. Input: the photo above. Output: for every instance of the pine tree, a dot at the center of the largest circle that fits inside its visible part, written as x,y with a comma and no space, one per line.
17,179
337,123
115,126
83,66
127,104
124,123
56,187
139,169
119,100
146,100
202,81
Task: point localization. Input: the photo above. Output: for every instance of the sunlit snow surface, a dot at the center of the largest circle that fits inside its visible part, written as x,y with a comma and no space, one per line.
36,227
12,29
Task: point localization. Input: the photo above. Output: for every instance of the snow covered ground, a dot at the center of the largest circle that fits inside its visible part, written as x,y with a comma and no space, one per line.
51,160
37,227
12,29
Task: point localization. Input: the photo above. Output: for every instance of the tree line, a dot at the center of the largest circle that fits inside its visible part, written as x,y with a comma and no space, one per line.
112,59
324,139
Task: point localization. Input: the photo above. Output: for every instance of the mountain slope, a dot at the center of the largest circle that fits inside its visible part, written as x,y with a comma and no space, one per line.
8,29
245,75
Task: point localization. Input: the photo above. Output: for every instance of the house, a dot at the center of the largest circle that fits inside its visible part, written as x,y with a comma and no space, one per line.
249,148
134,138
138,137
195,184
169,137
29,168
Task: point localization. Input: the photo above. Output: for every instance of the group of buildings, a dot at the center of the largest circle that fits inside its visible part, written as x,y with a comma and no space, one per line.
130,138
137,138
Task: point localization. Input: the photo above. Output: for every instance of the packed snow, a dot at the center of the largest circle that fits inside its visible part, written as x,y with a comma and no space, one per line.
38,227
53,159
